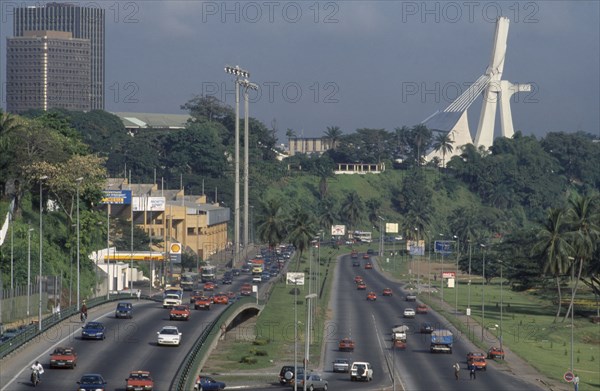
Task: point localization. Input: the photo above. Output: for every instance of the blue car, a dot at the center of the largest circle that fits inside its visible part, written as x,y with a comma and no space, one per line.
93,330
265,276
124,310
91,381
206,383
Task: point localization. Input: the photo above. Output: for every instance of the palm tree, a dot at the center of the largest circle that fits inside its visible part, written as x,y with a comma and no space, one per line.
553,248
421,137
302,229
270,221
326,213
585,233
333,133
443,143
324,170
351,209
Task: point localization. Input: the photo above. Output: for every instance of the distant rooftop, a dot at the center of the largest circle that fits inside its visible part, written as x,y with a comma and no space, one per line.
153,120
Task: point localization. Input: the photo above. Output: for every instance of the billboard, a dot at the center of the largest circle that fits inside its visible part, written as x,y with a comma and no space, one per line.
415,247
149,204
294,278
444,247
116,197
338,230
391,228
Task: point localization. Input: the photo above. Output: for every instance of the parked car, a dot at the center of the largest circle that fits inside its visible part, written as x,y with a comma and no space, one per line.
91,382
286,374
409,312
206,383
180,312
314,381
63,357
346,345
93,330
124,310
495,352
341,365
139,381
361,371
169,335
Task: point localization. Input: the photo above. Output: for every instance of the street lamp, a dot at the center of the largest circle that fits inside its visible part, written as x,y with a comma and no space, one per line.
469,289
456,275
42,179
28,267
381,235
239,73
442,279
307,336
247,85
78,180
296,334
483,294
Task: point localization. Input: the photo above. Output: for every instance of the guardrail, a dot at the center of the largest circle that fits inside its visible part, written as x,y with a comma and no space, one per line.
29,332
182,379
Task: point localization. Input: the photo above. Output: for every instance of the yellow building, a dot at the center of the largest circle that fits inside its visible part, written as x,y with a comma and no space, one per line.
169,216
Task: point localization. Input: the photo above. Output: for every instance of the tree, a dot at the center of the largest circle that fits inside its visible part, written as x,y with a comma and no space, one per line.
443,143
302,228
351,210
553,248
9,127
271,221
207,108
421,137
326,213
584,221
333,133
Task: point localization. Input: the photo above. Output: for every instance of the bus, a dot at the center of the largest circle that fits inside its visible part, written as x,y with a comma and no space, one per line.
362,236
208,273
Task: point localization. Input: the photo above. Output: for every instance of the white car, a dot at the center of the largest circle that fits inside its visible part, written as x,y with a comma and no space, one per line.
171,300
409,313
169,335
361,371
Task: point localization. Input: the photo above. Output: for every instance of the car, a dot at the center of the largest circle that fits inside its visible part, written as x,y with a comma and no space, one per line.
171,299
371,296
209,286
361,370
221,299
207,383
477,361
354,254
91,382
422,309
314,381
231,295
236,272
265,276
257,279
409,312
370,251
63,357
227,279
93,330
366,256
361,286
286,374
387,292
169,335
495,352
368,265
341,365
246,289
346,345
358,279
195,296
411,297
355,263
124,310
139,381
180,312
203,303
426,328
246,269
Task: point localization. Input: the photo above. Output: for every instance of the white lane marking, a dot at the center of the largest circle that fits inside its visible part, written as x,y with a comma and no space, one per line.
393,371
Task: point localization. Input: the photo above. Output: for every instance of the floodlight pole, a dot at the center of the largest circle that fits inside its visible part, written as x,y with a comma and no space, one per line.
78,180
483,295
43,178
247,86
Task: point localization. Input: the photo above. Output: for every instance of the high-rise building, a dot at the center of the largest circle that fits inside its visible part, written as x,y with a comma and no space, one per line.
48,70
82,23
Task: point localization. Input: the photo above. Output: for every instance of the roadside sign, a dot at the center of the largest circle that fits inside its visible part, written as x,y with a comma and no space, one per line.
568,376
448,274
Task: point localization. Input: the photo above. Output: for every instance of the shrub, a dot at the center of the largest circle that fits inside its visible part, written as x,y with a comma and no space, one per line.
248,360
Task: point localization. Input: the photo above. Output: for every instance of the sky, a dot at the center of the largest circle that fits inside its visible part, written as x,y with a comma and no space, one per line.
351,64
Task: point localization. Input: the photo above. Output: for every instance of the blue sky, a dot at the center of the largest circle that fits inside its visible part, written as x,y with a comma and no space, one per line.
352,64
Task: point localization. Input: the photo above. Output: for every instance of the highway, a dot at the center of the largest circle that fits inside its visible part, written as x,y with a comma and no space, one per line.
130,344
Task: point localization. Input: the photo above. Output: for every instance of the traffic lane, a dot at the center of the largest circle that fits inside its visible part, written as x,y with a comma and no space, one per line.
129,345
352,319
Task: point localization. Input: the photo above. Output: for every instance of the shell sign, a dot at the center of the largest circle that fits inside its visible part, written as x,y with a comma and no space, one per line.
175,248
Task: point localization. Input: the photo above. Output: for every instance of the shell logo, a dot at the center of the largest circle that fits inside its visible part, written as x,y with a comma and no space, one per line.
175,248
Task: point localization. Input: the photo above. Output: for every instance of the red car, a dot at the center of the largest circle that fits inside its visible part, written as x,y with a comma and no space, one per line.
495,352
361,286
139,380
368,265
246,290
63,357
221,299
421,309
476,360
195,296
358,279
387,291
366,256
180,312
371,296
346,345
202,303
209,286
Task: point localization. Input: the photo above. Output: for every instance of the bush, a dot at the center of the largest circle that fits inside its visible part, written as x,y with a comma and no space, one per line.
248,360
260,342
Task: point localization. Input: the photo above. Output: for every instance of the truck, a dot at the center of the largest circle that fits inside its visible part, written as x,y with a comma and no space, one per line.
441,341
187,281
399,336
208,273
